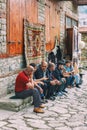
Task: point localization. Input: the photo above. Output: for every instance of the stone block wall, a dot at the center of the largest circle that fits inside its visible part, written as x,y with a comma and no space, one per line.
66,7
2,26
9,65
41,11
84,50
9,68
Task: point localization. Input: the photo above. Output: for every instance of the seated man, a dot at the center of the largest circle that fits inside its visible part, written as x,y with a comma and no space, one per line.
76,74
42,73
25,87
58,74
51,81
68,74
39,82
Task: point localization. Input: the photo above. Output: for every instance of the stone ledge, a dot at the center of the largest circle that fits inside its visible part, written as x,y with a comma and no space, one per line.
14,104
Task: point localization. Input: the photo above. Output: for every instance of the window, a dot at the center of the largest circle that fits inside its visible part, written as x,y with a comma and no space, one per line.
84,23
70,22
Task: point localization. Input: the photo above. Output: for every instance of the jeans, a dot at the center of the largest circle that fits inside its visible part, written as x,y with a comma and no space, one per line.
50,91
70,80
44,87
61,87
77,78
30,92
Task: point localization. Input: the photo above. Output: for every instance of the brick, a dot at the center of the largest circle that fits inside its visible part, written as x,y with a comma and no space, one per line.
4,27
3,32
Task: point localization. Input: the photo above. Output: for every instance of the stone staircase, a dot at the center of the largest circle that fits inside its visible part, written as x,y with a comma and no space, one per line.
11,103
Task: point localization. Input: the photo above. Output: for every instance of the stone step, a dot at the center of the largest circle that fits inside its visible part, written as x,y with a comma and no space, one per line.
11,103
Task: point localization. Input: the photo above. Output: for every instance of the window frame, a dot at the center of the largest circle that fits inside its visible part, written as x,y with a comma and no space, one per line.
72,19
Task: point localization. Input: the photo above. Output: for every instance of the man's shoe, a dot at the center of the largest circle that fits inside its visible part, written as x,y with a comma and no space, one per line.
55,94
77,86
44,101
38,110
60,94
65,91
41,106
52,98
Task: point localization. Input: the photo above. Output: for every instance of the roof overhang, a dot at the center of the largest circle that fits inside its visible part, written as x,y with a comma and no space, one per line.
83,29
78,2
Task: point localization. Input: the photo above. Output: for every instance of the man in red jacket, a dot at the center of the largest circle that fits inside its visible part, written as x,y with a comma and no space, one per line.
25,87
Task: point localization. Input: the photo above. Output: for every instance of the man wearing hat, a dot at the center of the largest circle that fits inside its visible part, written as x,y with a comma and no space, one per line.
58,74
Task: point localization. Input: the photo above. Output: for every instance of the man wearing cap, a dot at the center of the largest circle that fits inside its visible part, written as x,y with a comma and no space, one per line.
58,74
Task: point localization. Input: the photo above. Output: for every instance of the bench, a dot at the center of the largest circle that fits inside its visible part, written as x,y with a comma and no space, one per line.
11,103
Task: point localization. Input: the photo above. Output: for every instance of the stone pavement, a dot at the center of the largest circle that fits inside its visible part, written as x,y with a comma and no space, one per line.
65,113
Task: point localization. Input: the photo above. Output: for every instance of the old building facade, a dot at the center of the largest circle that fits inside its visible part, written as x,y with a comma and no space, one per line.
56,16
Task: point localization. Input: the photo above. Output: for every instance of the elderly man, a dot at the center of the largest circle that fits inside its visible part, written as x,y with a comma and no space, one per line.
25,87
42,73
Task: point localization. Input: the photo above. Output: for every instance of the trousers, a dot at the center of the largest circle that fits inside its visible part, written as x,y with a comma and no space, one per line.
30,92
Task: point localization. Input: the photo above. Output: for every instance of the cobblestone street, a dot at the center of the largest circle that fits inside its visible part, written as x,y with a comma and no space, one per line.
66,113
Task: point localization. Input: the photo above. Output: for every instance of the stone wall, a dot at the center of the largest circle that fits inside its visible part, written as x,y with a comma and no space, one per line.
84,50
2,26
66,7
9,68
41,11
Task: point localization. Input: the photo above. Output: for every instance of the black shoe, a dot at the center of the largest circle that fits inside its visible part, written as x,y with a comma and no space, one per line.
52,98
55,94
65,91
44,101
77,86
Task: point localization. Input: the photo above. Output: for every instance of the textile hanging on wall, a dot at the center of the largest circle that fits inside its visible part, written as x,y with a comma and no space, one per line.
34,41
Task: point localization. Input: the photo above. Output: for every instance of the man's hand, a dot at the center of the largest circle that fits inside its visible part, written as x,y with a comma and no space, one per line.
44,78
41,83
30,85
64,80
53,82
41,90
58,82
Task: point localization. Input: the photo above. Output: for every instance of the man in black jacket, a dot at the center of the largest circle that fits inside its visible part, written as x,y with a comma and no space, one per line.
52,81
58,74
42,72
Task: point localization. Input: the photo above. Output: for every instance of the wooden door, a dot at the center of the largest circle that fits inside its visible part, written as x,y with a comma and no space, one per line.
69,42
16,29
18,10
19,47
13,26
52,25
31,10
